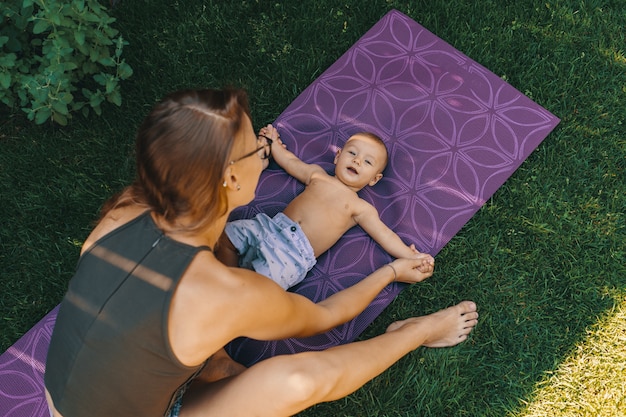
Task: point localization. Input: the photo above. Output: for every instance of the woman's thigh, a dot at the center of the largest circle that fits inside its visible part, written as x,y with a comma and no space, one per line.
279,386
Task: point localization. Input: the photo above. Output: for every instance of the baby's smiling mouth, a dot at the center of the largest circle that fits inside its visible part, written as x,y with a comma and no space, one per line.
353,170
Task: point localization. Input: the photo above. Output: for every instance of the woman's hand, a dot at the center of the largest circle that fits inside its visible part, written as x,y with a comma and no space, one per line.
413,270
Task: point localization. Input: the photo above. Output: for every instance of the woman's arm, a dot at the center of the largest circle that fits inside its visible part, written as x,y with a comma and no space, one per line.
278,314
215,304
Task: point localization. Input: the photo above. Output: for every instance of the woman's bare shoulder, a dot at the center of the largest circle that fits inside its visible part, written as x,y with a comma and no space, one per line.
208,278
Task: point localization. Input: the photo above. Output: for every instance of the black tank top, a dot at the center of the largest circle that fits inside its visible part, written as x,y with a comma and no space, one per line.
110,353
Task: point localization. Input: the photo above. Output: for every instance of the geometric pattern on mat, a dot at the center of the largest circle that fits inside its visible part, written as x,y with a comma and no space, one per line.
21,372
455,132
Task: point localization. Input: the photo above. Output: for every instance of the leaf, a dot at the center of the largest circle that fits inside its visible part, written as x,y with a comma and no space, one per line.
119,47
8,60
8,100
60,118
91,17
66,97
59,107
124,71
80,5
42,114
79,37
111,85
23,97
21,21
107,61
99,78
95,100
93,54
29,113
115,98
69,66
78,105
55,17
40,26
5,80
14,44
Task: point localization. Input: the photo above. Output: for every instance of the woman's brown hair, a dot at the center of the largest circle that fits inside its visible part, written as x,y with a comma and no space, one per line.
182,151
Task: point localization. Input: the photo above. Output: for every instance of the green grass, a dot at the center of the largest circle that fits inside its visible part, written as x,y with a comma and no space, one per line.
591,381
544,258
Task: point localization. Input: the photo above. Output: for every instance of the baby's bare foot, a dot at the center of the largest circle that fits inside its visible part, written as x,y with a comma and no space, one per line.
444,328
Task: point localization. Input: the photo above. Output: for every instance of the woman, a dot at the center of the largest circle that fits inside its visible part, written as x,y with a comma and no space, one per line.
142,327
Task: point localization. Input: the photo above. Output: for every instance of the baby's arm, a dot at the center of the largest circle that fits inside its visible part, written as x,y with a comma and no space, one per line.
294,166
369,220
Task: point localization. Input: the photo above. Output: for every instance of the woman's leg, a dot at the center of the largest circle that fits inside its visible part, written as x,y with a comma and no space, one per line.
285,385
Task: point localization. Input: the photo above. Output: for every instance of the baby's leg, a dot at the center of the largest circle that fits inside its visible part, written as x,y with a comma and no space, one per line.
220,366
226,252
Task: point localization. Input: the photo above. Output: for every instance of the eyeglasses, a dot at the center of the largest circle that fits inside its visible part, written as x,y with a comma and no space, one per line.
266,148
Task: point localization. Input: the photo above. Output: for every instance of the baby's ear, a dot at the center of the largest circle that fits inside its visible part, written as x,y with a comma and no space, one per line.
337,156
376,178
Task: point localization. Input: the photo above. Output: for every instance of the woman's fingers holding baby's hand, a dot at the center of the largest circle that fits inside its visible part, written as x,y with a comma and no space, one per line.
412,270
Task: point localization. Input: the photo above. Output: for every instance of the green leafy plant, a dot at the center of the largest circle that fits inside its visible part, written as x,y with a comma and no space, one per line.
58,57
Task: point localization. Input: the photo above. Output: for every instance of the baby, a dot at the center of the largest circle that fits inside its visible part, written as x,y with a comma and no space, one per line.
286,247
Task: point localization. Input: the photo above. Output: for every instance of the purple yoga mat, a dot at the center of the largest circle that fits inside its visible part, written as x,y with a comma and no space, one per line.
21,372
455,132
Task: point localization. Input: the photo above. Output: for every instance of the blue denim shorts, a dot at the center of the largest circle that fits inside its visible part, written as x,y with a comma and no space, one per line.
275,247
175,410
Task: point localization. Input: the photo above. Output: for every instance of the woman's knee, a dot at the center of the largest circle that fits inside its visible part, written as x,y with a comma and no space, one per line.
302,386
308,379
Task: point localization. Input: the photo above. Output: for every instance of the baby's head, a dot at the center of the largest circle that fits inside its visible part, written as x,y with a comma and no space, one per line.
361,161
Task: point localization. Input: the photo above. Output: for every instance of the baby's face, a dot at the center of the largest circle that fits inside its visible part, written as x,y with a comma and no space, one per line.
360,162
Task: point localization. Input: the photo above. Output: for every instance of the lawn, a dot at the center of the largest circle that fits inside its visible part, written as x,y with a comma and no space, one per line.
545,258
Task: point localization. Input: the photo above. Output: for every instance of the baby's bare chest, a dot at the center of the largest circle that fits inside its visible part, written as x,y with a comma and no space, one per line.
324,213
333,196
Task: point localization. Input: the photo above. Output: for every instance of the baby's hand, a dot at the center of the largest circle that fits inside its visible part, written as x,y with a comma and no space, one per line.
414,249
411,270
428,262
279,149
272,133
